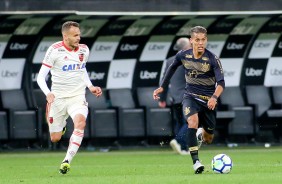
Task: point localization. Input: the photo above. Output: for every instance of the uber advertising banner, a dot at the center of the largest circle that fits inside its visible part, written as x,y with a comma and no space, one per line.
130,47
277,52
273,26
35,70
170,27
119,26
104,48
204,21
264,45
19,46
90,27
232,69
216,43
11,71
55,29
42,48
38,58
250,25
98,73
142,26
273,74
156,48
32,26
147,74
235,46
10,24
121,73
3,43
173,50
226,25
254,71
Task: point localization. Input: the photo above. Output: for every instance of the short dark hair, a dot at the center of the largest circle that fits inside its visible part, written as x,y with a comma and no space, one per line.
67,25
198,29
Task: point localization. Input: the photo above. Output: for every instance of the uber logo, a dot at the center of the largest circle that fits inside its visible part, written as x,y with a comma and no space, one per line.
119,74
96,76
148,75
212,46
253,72
102,47
234,46
128,47
18,46
8,74
156,47
275,72
261,45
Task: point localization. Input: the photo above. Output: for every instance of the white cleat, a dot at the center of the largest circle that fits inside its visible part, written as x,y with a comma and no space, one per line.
184,152
198,167
199,135
177,148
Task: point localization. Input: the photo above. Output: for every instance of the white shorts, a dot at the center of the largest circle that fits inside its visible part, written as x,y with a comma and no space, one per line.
58,112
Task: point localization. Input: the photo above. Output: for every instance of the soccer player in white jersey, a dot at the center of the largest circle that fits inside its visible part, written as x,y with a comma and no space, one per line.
66,60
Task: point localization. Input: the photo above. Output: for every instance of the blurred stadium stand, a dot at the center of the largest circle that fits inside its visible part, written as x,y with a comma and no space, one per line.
127,53
141,5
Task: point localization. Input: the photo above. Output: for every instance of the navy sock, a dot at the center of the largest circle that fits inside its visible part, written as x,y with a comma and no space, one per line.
193,144
181,137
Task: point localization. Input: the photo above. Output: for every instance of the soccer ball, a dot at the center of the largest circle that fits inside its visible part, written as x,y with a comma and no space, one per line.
221,164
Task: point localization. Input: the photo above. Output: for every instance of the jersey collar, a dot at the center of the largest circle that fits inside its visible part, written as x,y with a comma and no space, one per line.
76,49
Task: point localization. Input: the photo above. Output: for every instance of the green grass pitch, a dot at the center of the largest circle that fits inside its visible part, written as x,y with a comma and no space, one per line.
251,165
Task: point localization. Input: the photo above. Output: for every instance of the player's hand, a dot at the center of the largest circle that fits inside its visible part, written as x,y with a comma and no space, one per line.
157,92
162,104
95,90
50,97
212,103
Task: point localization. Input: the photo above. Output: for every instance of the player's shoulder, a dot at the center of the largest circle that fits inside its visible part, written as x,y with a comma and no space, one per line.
57,45
184,52
83,47
211,55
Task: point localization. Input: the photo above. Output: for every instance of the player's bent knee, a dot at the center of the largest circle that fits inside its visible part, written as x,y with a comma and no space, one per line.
80,125
55,138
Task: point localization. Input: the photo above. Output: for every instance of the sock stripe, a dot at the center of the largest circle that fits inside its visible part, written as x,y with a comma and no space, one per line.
78,133
76,143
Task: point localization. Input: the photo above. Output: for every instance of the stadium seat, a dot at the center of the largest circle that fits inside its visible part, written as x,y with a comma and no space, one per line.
25,122
243,122
266,117
159,120
102,118
131,119
3,125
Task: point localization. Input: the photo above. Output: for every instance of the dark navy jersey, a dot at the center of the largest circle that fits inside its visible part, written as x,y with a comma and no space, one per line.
201,74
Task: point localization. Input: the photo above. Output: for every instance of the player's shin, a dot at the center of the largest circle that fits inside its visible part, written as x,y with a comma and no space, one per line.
193,144
74,144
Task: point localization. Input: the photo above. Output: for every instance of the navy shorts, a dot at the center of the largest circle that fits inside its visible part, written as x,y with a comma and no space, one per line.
207,117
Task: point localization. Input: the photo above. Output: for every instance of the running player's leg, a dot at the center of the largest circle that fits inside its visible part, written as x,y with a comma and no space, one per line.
56,115
208,120
190,109
78,112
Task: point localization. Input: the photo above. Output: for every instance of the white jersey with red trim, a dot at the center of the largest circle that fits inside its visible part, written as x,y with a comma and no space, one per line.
67,69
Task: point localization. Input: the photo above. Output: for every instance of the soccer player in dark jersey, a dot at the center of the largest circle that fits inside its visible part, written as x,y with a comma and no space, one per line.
204,84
